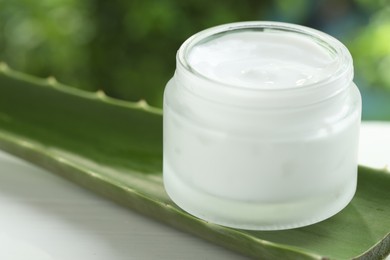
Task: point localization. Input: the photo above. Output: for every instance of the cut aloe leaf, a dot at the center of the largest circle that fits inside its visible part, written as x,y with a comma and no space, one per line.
115,149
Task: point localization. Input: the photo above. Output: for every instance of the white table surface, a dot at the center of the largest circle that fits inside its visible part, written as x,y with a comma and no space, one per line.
43,216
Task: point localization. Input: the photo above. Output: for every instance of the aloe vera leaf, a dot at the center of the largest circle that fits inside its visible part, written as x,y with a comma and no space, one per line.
115,149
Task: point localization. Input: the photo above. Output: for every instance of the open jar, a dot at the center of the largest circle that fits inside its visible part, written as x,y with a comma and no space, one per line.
261,126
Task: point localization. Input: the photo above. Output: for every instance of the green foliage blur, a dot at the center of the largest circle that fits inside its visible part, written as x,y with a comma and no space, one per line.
127,48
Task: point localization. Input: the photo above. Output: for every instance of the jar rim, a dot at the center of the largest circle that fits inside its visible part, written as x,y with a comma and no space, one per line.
342,56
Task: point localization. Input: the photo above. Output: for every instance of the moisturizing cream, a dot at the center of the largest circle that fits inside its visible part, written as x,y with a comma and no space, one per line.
261,125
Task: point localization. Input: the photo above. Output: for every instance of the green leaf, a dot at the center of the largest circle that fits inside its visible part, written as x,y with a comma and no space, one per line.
115,148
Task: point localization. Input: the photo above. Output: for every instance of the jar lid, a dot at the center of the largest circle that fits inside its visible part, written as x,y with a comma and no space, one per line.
267,64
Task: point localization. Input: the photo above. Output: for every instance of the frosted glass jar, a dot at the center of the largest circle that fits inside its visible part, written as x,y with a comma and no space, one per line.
261,125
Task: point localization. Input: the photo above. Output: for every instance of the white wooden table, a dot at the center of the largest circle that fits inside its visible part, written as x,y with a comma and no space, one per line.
43,216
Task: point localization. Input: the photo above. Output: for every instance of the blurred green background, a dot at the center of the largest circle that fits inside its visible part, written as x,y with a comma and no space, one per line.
127,47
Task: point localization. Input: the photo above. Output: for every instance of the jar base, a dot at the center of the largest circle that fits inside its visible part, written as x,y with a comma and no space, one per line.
257,215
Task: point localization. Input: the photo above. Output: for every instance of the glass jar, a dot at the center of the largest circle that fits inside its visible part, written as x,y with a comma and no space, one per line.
261,126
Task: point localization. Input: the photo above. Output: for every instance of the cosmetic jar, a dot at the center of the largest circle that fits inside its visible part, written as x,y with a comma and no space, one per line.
261,126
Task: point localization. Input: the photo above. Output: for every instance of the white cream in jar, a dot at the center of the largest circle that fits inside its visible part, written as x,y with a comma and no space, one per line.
261,124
